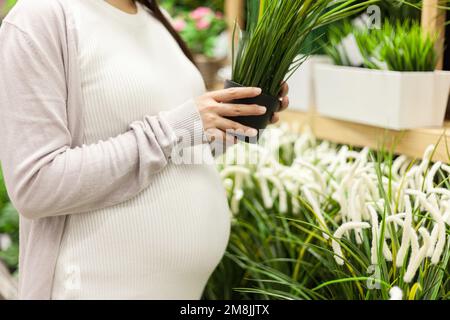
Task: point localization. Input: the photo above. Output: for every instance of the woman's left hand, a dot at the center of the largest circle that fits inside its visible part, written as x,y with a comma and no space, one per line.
284,102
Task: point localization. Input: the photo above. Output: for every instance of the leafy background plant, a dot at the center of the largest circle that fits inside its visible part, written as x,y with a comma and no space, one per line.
201,29
5,6
9,229
401,9
175,6
408,48
389,9
396,46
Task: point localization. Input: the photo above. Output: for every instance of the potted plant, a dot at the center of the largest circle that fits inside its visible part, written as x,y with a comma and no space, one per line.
275,33
394,85
204,32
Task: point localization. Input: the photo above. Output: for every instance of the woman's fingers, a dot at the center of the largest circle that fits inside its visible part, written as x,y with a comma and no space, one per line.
238,110
275,118
284,99
284,90
232,127
284,103
218,136
215,108
231,94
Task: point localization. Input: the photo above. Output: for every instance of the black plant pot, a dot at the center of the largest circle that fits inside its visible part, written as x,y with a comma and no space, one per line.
257,122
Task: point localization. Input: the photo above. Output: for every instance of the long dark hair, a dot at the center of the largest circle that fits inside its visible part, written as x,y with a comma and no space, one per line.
153,6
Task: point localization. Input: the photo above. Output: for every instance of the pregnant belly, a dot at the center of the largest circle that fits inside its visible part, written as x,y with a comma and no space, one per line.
163,244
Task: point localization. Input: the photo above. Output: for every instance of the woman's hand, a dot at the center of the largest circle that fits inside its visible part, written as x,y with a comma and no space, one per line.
214,107
284,102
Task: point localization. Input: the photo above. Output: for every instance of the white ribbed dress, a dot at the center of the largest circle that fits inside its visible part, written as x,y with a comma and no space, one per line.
166,242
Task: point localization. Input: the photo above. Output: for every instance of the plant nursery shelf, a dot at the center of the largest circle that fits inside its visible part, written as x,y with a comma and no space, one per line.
409,142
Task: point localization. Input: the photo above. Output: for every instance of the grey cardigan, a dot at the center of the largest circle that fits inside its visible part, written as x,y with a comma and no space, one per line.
49,173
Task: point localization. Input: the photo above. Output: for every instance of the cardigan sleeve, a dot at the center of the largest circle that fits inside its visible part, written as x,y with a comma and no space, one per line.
45,175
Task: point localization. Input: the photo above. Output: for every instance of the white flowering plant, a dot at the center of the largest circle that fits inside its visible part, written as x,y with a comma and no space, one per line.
314,220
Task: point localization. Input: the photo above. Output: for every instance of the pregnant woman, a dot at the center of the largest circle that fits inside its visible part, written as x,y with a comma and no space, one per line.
96,99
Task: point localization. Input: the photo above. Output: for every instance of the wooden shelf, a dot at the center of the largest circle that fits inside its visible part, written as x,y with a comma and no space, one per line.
410,142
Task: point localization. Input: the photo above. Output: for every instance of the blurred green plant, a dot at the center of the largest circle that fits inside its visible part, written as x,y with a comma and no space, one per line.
336,34
397,46
6,5
200,29
9,229
389,9
176,7
401,9
405,46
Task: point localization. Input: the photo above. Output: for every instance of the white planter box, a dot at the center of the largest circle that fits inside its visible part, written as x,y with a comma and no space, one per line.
394,100
301,84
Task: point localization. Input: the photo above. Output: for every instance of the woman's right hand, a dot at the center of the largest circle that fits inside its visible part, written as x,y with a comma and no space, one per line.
214,106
